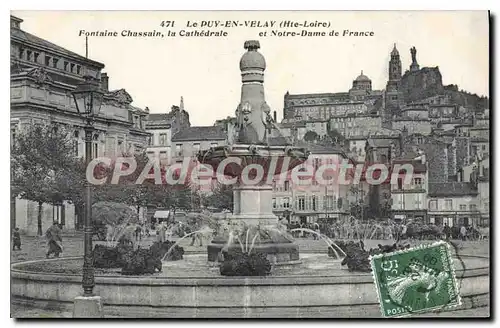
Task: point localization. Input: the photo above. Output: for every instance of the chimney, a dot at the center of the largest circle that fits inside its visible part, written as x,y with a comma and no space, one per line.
274,117
105,82
15,22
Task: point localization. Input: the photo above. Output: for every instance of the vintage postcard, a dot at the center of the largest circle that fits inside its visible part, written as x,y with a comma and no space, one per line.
250,164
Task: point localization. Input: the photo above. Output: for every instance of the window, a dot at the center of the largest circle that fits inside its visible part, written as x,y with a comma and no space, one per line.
213,144
78,69
473,207
120,146
76,136
301,203
178,149
163,139
28,55
463,207
417,182
65,65
448,204
21,53
196,147
274,203
286,202
36,55
47,60
72,68
95,146
433,205
329,202
418,201
287,185
54,62
400,183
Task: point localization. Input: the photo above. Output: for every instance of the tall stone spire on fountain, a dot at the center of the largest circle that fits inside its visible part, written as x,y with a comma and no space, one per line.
253,113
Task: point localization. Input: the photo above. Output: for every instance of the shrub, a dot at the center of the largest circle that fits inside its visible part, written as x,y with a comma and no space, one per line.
357,258
244,264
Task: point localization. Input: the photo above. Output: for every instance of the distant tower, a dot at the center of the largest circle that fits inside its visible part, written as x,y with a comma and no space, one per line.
393,96
395,65
181,105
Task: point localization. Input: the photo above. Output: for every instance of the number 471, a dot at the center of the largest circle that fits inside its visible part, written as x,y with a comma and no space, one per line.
167,24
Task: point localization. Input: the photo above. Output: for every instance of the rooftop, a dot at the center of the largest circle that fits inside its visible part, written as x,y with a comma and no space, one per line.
16,33
199,133
451,189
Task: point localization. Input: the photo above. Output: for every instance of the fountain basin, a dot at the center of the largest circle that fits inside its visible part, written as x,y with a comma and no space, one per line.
318,287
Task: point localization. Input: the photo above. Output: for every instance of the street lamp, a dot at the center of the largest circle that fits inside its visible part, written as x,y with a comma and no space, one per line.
88,99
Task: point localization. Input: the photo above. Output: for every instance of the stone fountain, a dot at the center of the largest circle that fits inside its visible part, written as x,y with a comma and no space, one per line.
252,147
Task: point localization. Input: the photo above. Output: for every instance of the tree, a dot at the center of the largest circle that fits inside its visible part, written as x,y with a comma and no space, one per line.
358,208
311,136
41,162
113,213
221,197
336,136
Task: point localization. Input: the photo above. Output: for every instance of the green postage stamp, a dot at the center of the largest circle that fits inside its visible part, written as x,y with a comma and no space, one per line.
418,279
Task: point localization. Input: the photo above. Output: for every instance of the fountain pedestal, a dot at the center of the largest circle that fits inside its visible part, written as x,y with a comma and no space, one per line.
253,207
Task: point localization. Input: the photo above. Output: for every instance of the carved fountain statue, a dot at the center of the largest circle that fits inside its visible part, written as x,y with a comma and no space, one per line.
253,147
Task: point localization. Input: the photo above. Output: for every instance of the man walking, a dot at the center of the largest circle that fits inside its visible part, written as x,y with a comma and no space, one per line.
54,240
463,233
16,240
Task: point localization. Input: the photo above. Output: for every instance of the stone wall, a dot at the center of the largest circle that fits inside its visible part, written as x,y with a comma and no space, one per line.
27,217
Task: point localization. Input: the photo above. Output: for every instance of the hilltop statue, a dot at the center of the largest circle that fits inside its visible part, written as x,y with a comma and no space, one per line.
413,52
414,65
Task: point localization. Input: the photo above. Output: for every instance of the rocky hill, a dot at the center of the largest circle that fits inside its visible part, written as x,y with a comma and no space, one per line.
427,82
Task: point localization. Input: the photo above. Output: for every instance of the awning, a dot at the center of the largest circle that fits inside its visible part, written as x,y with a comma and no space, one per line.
162,214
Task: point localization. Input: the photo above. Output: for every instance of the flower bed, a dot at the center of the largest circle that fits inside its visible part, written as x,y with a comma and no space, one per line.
357,258
244,264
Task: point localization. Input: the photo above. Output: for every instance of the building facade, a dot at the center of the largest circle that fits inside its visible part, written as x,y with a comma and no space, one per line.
43,76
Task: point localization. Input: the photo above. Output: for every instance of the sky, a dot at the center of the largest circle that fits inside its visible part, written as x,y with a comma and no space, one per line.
205,71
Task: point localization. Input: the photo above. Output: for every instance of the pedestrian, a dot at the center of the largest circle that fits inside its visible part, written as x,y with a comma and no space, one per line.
446,231
463,233
54,240
196,235
404,228
16,239
316,229
138,232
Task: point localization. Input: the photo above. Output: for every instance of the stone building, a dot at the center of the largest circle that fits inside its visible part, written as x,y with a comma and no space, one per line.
43,75
409,200
454,203
189,141
313,202
162,127
361,87
412,125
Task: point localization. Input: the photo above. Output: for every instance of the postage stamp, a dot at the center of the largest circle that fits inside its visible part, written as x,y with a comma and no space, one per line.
419,279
